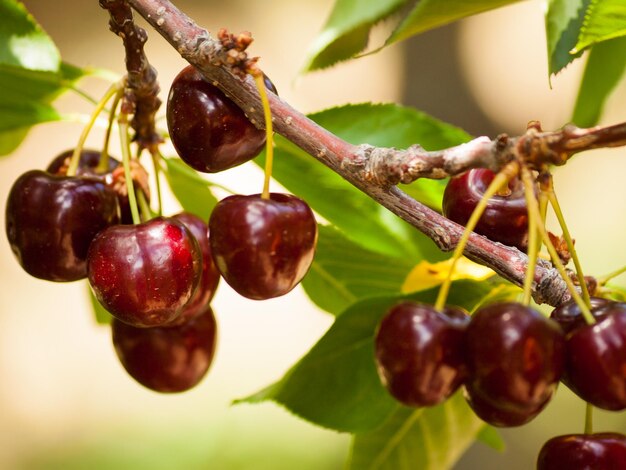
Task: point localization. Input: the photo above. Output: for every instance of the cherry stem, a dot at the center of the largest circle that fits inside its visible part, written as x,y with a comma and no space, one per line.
113,89
589,419
498,181
122,123
269,134
528,186
156,165
604,279
146,211
533,246
103,164
554,202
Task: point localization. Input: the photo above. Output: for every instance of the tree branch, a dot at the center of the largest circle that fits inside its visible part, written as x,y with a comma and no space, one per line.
375,171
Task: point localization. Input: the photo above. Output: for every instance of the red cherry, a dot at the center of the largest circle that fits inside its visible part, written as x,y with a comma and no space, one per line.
505,218
419,353
145,274
262,247
51,221
515,357
602,451
167,359
208,130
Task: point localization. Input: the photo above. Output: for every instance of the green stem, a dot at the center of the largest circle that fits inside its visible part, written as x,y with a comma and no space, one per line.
82,93
103,164
604,279
156,164
528,184
122,124
589,419
498,181
146,211
533,246
269,133
113,89
554,202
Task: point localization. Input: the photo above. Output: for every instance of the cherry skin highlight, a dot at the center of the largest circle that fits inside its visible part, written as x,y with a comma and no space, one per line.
262,247
595,367
145,274
209,277
602,451
167,359
515,357
505,218
209,131
419,353
51,221
570,317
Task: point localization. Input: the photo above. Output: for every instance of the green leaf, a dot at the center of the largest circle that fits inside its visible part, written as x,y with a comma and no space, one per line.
344,272
491,437
426,439
23,43
347,30
564,19
26,97
336,384
430,14
192,190
358,217
102,316
605,19
605,68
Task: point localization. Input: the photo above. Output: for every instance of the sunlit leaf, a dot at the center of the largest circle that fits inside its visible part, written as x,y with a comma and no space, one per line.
426,275
564,18
192,190
605,19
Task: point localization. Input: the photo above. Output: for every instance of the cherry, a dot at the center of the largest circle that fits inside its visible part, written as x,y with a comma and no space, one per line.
167,359
569,316
210,276
113,177
515,358
51,221
595,367
505,218
602,451
262,247
208,130
419,353
145,274
497,415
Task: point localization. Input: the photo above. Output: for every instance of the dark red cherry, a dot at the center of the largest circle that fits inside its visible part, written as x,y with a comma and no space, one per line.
210,276
167,359
497,415
569,316
145,274
208,130
515,357
505,219
596,360
602,451
51,221
262,247
113,176
419,353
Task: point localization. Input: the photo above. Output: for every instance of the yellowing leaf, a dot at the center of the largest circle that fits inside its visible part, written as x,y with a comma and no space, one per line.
426,275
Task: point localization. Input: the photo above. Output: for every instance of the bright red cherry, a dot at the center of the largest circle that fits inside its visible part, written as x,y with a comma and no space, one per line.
595,367
602,451
210,276
505,219
208,130
167,359
515,357
51,221
145,274
262,247
420,354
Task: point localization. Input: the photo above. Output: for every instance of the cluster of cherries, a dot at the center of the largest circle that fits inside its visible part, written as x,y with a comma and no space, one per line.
157,277
508,357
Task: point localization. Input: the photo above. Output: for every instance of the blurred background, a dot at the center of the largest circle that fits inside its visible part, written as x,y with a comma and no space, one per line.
66,402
